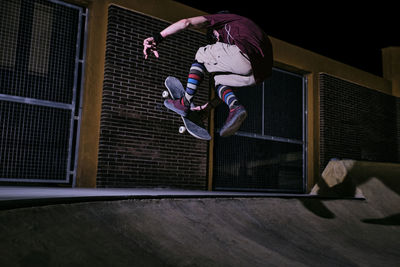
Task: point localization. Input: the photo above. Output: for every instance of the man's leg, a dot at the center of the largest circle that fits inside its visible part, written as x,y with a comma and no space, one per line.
237,112
195,77
226,94
231,69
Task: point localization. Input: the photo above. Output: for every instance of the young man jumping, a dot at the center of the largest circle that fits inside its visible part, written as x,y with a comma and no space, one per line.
240,55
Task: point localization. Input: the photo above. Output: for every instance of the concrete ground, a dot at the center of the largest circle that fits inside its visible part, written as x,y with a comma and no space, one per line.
201,230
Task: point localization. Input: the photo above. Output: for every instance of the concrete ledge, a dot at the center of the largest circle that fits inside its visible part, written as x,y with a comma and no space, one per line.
21,197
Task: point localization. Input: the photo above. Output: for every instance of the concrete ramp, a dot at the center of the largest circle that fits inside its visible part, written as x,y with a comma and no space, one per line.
208,232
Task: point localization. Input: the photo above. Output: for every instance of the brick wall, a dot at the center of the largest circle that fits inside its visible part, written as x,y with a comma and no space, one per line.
139,140
356,122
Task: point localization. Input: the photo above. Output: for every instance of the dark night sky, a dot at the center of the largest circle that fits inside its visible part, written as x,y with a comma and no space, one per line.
352,34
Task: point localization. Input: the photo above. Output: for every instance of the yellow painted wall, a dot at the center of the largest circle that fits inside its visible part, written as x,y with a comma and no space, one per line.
286,56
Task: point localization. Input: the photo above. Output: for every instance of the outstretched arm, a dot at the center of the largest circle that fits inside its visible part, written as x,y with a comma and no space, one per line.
151,43
195,22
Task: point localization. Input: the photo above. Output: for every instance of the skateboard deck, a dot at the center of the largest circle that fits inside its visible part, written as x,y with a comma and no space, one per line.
194,120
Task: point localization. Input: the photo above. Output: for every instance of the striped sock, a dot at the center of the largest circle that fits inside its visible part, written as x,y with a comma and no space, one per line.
196,76
226,94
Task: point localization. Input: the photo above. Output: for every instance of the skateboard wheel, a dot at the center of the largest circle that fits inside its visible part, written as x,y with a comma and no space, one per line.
165,94
182,129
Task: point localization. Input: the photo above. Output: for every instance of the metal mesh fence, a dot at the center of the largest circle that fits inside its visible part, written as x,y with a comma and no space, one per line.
38,49
268,152
40,60
34,141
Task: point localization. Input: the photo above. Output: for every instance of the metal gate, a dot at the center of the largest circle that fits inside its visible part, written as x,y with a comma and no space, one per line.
269,151
42,55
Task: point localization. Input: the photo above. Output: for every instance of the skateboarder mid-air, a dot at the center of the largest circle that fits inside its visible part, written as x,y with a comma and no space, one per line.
240,54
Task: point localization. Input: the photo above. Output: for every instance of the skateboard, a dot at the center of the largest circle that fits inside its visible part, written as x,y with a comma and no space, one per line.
193,122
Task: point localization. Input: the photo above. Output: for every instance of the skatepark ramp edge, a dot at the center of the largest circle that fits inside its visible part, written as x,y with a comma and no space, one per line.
213,231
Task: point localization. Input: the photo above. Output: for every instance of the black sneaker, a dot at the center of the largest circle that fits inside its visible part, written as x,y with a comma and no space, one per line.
235,119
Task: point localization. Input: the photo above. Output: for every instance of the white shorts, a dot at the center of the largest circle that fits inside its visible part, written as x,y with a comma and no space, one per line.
229,65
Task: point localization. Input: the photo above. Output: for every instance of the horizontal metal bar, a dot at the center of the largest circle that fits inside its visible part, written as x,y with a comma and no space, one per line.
287,72
33,101
22,180
270,138
65,4
276,191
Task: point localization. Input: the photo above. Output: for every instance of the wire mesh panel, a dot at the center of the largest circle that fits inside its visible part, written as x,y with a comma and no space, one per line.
33,141
41,58
356,122
246,163
268,152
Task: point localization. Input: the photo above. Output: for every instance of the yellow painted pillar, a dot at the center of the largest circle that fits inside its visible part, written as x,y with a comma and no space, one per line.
94,75
391,67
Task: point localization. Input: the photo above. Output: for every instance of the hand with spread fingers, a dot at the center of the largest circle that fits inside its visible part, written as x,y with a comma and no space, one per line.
150,46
